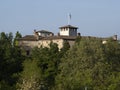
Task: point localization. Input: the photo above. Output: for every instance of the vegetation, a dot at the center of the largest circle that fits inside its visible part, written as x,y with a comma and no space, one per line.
30,76
89,65
10,62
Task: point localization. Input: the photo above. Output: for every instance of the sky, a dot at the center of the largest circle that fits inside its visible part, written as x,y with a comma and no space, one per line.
99,18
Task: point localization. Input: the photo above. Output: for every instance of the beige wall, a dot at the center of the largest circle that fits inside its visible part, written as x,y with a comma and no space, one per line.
68,32
64,32
45,43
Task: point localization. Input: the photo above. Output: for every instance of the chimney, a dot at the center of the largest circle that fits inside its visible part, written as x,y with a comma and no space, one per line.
78,34
36,34
115,37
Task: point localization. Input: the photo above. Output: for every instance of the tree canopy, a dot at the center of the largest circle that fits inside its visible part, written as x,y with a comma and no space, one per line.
91,65
10,61
88,65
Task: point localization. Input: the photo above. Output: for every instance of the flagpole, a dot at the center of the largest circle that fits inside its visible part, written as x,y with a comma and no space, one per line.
69,18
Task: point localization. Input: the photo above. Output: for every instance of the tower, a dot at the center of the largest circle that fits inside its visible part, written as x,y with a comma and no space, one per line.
68,30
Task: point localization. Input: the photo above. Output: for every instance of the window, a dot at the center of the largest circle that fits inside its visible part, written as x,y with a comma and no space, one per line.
27,52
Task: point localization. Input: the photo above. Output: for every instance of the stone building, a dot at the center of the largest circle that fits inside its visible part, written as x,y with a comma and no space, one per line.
44,38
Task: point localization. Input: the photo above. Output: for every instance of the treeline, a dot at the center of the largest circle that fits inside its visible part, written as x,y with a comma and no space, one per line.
10,61
88,65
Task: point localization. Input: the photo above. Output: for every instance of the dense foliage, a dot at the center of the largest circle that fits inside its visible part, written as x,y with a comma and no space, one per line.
10,62
88,65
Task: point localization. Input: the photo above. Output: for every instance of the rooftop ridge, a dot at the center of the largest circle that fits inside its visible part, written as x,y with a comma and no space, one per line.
68,26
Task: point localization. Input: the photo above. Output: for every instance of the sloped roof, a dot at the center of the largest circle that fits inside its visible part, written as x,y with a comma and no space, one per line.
29,38
68,26
33,38
60,37
44,31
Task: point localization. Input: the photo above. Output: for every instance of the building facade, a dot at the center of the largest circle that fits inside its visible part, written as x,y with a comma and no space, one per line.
44,38
68,30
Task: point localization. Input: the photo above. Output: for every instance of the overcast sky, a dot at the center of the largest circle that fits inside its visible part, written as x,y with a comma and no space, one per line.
93,17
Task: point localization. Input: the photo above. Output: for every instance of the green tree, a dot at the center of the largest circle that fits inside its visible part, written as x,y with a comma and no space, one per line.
66,47
10,38
30,77
17,36
88,64
48,59
10,60
78,39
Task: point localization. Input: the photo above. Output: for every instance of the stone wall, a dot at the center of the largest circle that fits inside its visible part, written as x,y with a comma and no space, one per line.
45,43
28,44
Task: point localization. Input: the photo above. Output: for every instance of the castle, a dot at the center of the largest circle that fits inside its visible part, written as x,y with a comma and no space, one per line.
44,38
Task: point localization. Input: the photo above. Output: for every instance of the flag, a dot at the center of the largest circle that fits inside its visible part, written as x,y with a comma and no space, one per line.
69,16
